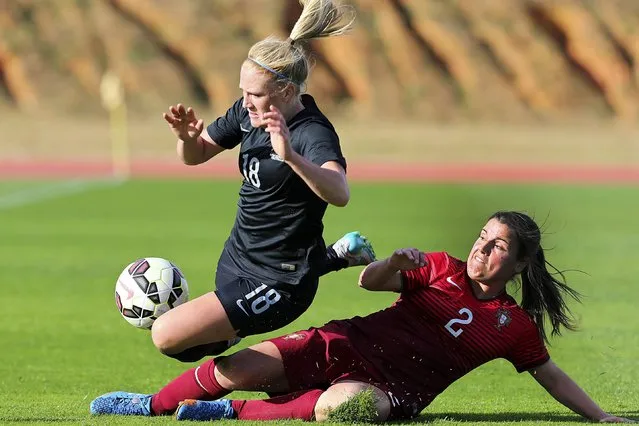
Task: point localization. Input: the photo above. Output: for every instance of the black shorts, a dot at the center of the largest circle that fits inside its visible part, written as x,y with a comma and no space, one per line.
254,307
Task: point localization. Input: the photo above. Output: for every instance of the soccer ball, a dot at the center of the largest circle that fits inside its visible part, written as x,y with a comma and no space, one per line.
147,288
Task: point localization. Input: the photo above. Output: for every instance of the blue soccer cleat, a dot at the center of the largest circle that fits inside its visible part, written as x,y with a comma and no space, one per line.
191,409
122,403
354,248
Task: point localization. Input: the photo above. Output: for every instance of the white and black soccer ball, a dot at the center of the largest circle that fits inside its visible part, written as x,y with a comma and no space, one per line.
147,288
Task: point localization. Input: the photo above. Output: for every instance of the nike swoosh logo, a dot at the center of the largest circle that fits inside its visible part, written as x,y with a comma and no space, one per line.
129,292
239,304
453,282
243,129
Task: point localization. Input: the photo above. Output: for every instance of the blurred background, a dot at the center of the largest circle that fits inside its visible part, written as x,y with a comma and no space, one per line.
523,104
431,81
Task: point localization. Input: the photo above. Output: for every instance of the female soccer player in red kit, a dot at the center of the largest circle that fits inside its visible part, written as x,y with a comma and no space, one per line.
451,317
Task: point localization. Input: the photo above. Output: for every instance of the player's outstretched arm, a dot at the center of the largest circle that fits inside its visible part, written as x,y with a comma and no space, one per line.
194,146
565,390
327,181
384,275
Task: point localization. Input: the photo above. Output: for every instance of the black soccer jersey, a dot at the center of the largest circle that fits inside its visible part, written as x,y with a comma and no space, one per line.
277,235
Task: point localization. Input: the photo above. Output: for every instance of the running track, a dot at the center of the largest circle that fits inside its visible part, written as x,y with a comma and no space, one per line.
395,172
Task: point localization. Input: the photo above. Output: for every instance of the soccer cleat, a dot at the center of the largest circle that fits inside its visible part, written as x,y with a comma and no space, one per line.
122,403
191,409
354,248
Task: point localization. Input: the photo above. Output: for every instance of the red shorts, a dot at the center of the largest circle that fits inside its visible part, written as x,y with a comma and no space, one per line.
319,357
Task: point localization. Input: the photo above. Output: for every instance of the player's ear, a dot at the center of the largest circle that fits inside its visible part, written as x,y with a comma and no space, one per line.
289,92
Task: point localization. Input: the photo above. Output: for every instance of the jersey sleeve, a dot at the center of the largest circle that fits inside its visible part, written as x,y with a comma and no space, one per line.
321,144
422,277
225,130
529,351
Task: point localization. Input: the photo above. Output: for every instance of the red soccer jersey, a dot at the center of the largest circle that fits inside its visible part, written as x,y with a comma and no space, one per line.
437,331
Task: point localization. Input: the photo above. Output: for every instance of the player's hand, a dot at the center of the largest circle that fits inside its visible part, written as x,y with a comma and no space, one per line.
615,419
183,123
280,135
407,258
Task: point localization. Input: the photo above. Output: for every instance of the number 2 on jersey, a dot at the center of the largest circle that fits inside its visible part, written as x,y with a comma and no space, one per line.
467,319
250,168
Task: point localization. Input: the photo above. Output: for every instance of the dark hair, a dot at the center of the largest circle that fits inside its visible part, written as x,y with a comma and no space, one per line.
542,293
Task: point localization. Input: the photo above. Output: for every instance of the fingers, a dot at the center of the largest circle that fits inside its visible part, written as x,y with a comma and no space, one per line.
274,120
273,114
275,127
179,112
169,118
275,109
190,114
413,255
275,124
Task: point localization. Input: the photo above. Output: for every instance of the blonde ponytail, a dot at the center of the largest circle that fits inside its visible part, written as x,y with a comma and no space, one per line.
322,18
287,60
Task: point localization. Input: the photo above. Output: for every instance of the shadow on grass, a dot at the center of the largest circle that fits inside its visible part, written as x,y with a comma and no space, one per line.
509,417
499,417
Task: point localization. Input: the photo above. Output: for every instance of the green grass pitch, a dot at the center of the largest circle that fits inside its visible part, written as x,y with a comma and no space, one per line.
62,341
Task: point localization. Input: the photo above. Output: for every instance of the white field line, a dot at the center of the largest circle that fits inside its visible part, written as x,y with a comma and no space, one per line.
52,191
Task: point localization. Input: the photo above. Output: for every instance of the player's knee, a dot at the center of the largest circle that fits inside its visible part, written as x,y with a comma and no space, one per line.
353,402
163,337
226,373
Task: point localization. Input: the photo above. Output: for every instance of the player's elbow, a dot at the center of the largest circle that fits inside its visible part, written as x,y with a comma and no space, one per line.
341,198
341,201
369,285
190,162
187,159
363,281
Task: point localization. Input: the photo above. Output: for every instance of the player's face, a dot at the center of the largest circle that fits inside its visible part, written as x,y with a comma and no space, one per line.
258,93
493,258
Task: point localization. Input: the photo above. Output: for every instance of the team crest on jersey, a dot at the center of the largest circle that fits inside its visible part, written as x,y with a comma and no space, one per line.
294,336
503,318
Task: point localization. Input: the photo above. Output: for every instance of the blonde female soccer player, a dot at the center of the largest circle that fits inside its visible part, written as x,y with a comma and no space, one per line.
293,168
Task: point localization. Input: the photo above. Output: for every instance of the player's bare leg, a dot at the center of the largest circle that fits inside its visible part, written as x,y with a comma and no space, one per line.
257,368
199,322
341,392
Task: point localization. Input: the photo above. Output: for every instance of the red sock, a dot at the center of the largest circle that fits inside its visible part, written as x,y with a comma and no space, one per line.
296,405
196,383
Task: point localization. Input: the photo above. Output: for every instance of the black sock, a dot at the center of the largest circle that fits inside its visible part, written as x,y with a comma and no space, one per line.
196,353
333,262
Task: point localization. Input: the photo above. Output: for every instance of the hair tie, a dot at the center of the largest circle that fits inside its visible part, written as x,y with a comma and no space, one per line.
290,41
